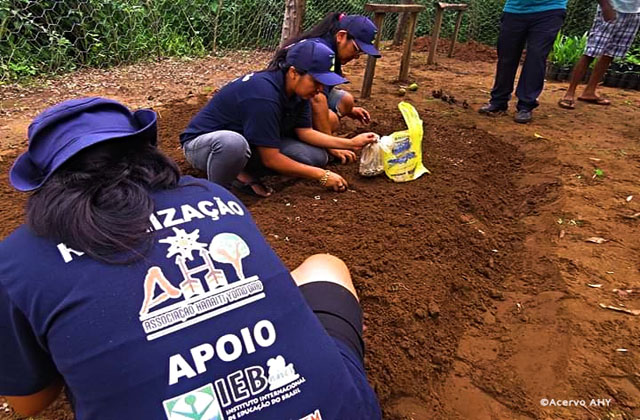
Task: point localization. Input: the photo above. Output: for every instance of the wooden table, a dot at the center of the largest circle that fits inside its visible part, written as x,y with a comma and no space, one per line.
379,11
435,32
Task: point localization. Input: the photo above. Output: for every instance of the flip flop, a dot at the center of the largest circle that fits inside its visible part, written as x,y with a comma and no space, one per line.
596,101
567,103
247,188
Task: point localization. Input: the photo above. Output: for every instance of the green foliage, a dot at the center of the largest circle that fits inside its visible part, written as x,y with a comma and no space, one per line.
55,36
567,50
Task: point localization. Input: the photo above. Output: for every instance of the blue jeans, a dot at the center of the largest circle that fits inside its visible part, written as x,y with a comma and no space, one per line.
303,152
222,154
537,31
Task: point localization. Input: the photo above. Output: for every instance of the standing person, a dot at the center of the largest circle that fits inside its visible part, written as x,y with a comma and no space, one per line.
348,36
267,116
536,25
607,39
151,296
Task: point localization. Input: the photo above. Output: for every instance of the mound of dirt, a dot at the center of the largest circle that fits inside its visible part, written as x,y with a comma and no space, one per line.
463,51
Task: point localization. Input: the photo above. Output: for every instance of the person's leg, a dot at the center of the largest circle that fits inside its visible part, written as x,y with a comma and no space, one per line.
600,38
513,31
320,114
325,282
543,29
341,102
578,73
304,153
334,122
620,35
324,267
222,154
589,93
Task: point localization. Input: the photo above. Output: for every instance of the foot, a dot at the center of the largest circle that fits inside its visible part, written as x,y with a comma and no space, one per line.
491,109
594,99
567,103
247,184
523,116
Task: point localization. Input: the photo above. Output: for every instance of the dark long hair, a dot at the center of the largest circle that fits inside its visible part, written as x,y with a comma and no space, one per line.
327,27
99,201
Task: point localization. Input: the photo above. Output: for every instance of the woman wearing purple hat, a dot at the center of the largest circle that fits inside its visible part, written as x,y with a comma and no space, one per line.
153,296
348,36
261,123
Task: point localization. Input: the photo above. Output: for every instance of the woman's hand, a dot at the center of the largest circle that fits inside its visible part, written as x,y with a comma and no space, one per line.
333,181
345,156
362,140
360,114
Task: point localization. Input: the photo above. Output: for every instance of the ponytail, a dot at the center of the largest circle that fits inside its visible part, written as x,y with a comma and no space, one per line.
327,27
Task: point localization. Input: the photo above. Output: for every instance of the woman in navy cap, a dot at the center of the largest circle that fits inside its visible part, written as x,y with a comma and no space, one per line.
266,116
151,296
348,36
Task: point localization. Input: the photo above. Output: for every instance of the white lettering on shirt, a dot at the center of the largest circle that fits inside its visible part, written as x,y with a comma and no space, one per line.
229,347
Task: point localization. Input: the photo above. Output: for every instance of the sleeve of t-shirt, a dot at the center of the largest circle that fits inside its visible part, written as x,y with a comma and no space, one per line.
25,367
303,118
262,119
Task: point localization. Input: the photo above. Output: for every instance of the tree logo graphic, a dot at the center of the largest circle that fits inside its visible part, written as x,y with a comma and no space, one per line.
199,404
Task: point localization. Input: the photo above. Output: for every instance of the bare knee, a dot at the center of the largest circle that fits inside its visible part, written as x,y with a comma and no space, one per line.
324,267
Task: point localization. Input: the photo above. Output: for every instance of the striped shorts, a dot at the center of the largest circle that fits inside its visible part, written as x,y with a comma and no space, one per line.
612,39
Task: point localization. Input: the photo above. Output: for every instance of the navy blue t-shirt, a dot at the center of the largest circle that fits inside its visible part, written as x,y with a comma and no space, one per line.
256,106
209,325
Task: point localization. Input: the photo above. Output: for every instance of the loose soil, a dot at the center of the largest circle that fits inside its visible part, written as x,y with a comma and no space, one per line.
473,279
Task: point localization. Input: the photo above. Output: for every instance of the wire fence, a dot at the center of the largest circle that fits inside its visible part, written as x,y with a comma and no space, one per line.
45,37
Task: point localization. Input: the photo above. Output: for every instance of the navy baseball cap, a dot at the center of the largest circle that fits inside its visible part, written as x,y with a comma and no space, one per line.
363,31
63,130
316,59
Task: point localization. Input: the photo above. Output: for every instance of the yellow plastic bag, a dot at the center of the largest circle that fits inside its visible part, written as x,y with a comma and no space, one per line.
403,149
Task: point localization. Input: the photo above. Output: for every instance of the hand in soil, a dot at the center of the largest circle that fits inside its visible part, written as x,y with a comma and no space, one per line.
345,156
360,114
336,183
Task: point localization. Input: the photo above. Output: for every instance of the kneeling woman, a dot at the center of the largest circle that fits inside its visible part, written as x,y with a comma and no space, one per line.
151,296
266,116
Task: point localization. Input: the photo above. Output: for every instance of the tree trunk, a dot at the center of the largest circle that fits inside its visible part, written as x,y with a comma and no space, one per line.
293,17
403,20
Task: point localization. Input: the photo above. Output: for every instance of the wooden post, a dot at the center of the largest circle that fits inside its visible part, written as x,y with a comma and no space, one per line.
455,33
435,34
408,44
403,19
371,61
293,17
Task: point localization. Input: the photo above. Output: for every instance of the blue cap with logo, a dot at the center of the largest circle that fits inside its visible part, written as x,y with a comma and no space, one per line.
63,130
363,31
316,59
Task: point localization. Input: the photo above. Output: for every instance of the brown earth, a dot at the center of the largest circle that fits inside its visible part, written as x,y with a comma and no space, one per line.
474,279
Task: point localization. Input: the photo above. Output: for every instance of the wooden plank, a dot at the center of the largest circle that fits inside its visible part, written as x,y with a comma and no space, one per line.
394,8
408,44
367,81
435,34
401,27
451,6
455,33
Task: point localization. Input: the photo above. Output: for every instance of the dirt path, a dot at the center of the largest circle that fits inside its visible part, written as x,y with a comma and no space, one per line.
474,279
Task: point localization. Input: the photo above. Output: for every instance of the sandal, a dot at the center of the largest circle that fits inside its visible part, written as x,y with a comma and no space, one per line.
597,101
248,188
567,103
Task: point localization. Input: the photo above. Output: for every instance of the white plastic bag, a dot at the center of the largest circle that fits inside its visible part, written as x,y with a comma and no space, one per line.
371,160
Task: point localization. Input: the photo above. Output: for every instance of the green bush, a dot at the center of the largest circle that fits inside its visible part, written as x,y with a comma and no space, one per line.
567,50
54,36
